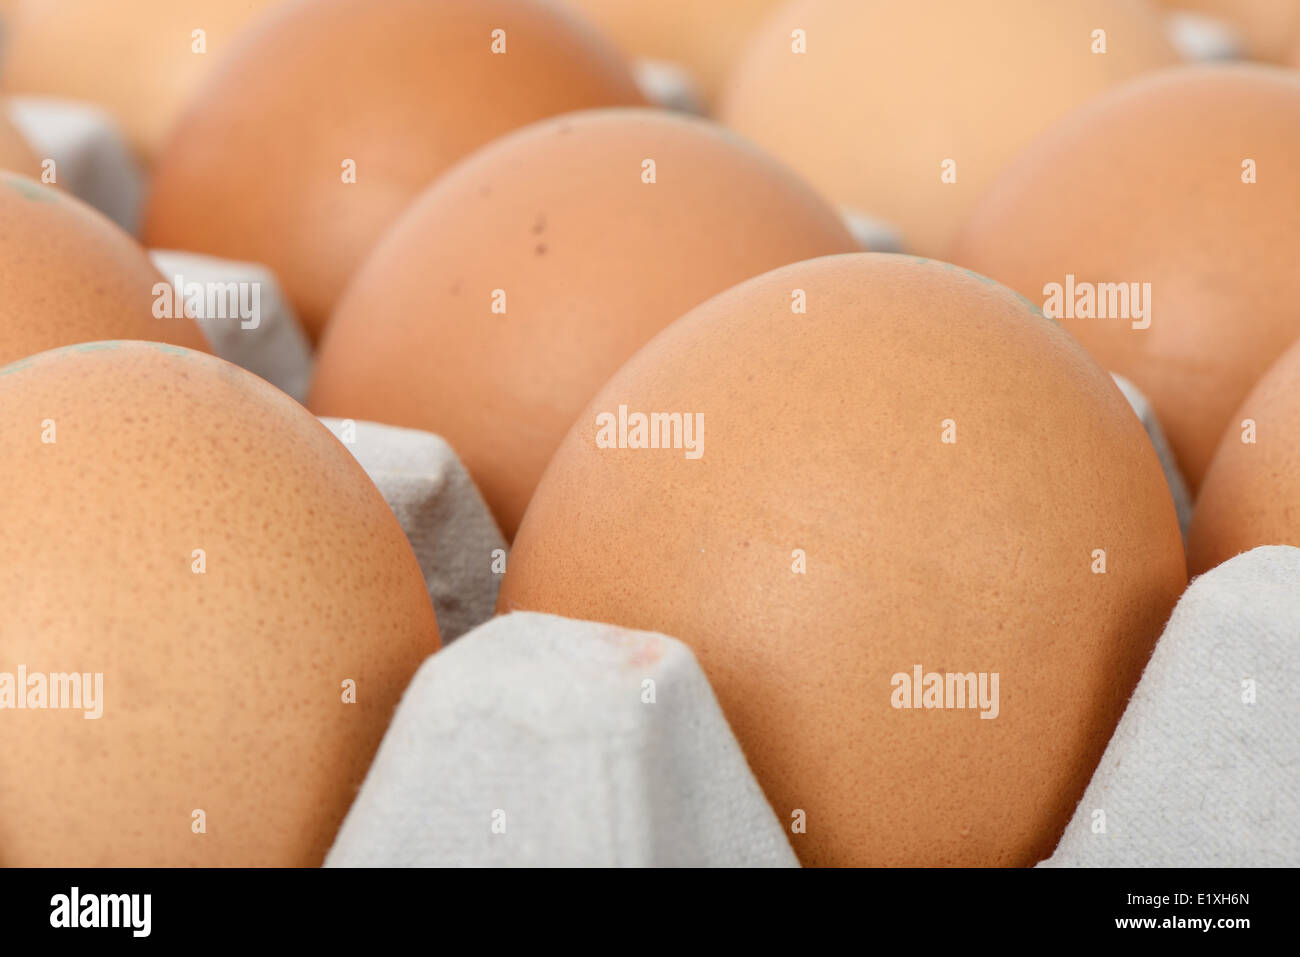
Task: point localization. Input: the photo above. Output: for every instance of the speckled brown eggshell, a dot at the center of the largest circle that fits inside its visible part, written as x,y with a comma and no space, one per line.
1146,185
591,260
68,275
256,171
1251,494
888,91
824,445
134,58
223,692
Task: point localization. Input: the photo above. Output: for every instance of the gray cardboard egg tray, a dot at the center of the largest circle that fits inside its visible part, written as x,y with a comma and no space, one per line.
532,739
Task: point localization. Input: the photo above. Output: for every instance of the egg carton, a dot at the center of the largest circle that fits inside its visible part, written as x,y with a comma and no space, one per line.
268,342
540,740
90,156
460,550
1203,769
1204,39
533,739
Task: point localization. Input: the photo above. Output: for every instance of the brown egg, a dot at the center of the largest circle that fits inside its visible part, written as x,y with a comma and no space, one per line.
704,37
138,59
1151,185
1267,27
905,110
332,115
192,535
15,153
1251,494
918,472
527,276
69,275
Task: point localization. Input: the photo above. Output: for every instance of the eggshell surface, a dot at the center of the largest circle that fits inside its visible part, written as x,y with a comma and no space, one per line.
138,59
517,284
905,110
1180,190
1251,494
918,471
312,136
193,536
68,275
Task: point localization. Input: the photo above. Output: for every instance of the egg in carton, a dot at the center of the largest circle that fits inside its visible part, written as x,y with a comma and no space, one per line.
421,480
239,306
924,479
246,319
201,581
461,554
395,821
1171,261
386,450
501,298
648,771
905,112
542,740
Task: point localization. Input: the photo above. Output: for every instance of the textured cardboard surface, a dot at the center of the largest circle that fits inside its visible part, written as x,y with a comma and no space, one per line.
531,742
1204,767
457,543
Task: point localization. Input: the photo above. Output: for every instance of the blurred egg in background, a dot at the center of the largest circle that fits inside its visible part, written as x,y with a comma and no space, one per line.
1173,204
704,38
331,115
68,275
194,537
137,59
523,278
15,152
905,110
1251,494
918,471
